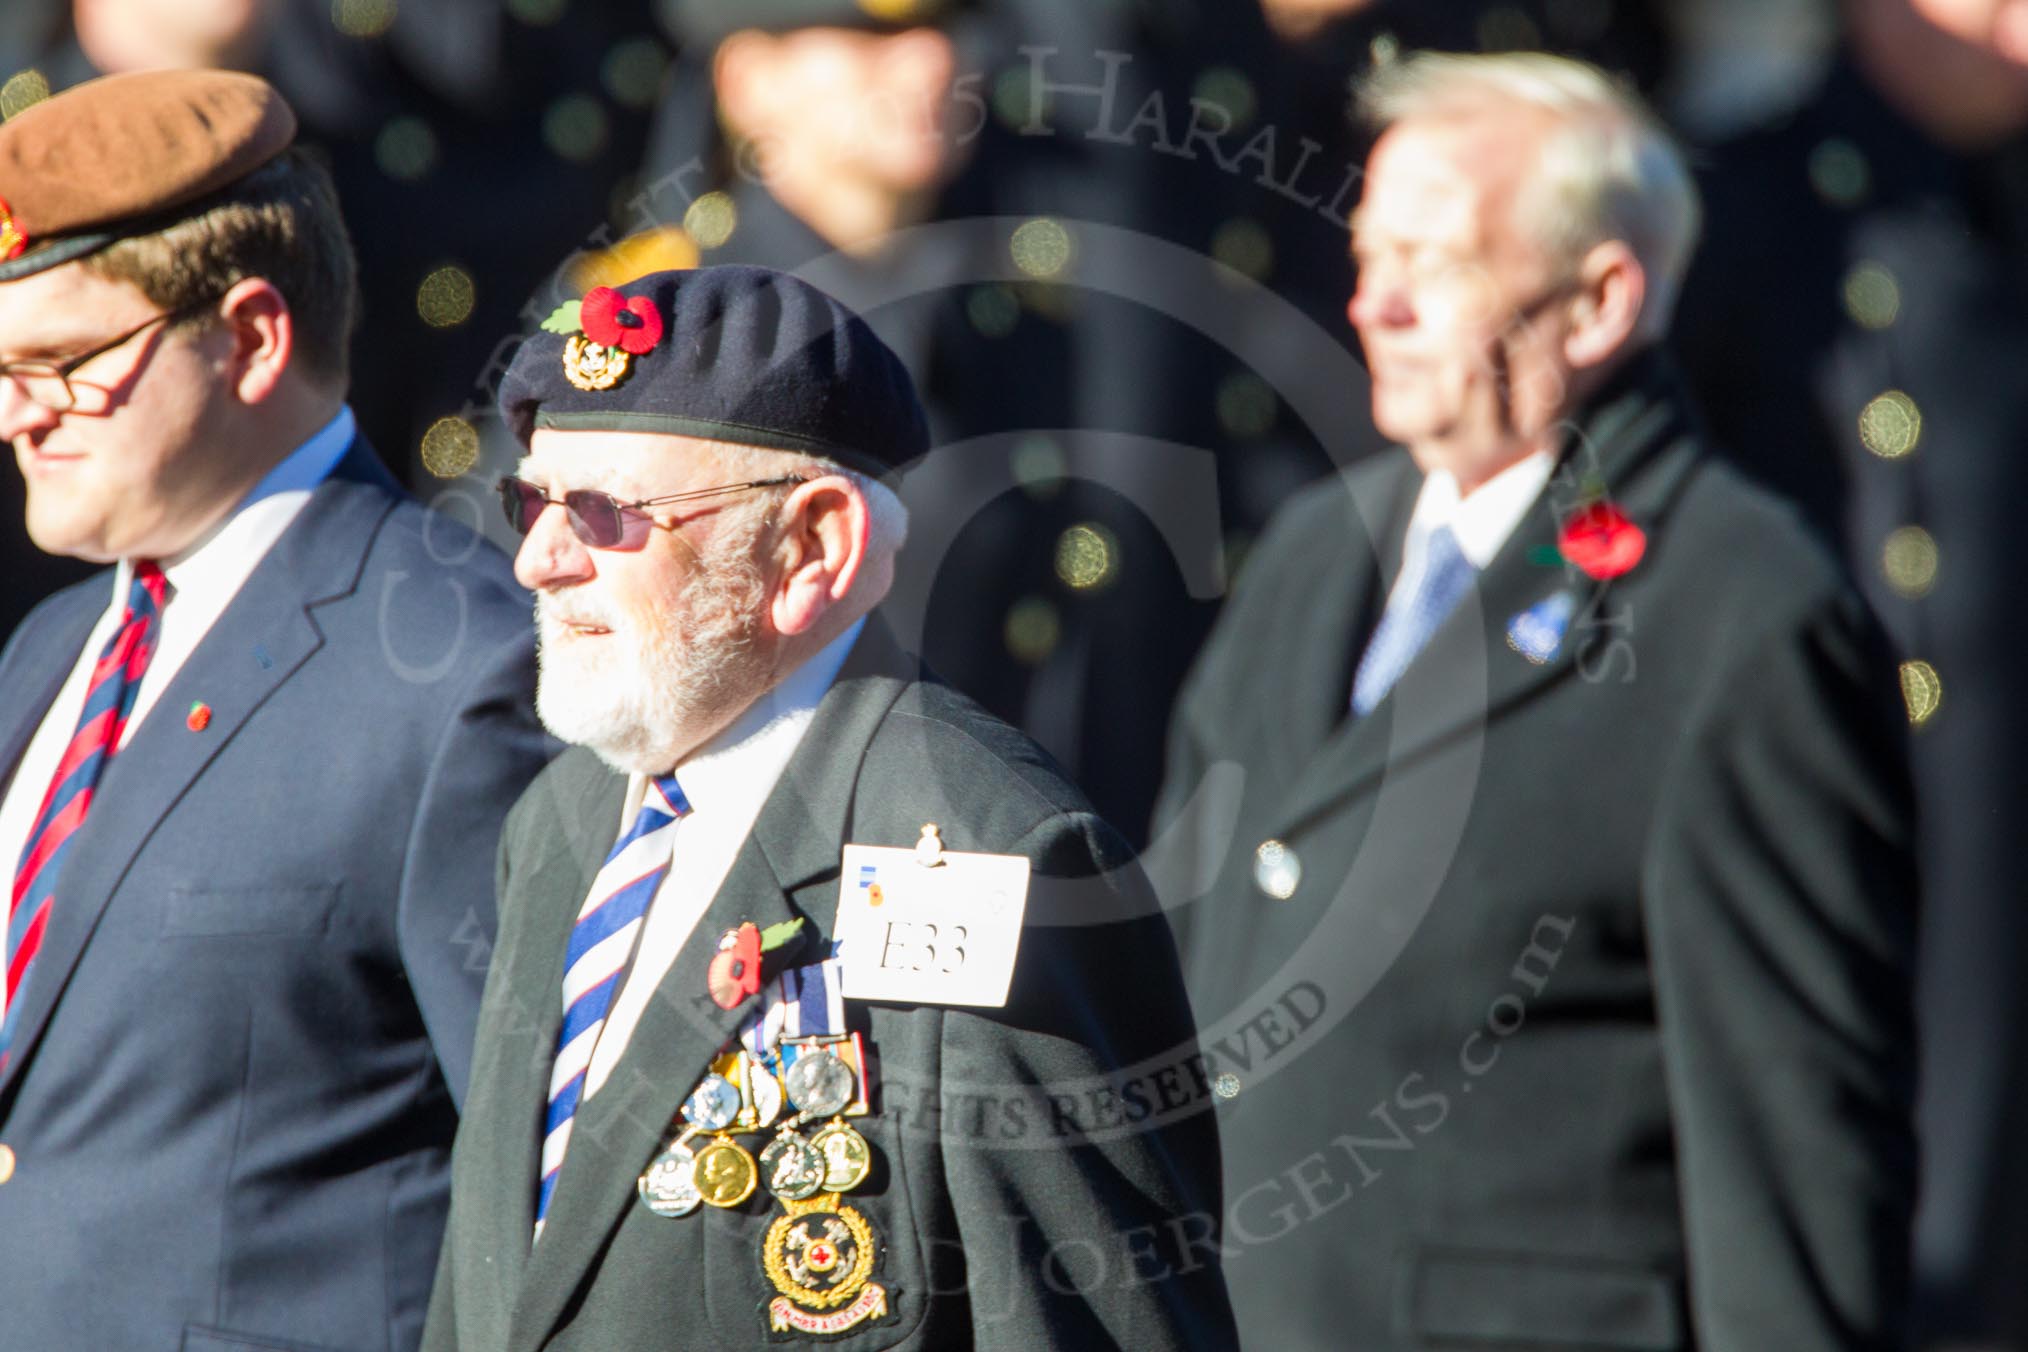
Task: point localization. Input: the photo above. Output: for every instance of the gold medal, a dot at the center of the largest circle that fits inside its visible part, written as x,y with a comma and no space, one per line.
820,1257
594,366
847,1156
724,1174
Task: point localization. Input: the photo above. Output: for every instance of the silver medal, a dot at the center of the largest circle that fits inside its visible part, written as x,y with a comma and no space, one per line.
766,1091
793,1168
668,1186
713,1104
820,1083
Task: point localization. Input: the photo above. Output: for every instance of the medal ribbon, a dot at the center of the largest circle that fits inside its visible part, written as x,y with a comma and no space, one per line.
801,1002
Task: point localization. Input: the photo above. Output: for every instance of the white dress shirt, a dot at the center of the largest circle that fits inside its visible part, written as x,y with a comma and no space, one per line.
1481,521
203,579
726,781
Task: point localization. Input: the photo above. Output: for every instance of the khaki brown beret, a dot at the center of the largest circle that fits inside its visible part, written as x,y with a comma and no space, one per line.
119,156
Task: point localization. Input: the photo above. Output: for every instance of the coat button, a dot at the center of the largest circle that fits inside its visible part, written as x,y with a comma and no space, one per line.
1276,870
6,1163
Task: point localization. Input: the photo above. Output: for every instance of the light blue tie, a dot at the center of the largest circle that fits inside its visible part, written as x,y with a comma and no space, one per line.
1446,577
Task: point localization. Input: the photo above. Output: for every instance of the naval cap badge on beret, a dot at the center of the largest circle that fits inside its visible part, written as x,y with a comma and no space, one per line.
727,353
119,156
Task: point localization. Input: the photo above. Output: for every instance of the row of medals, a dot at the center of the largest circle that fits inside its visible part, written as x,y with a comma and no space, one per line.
722,1173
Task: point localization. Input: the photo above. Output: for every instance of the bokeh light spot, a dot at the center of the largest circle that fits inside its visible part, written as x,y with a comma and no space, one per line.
537,13
574,127
406,149
1909,561
994,310
1032,630
1228,89
450,447
1246,406
1038,465
446,297
1244,246
632,72
1839,172
24,89
1872,296
1890,425
711,219
1041,248
1921,690
1087,556
362,18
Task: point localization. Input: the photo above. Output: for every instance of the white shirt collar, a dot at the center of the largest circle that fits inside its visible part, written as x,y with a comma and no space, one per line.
735,771
1482,521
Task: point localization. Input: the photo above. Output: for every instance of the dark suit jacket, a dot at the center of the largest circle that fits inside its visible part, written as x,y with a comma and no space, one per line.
1587,1023
231,1097
1021,1202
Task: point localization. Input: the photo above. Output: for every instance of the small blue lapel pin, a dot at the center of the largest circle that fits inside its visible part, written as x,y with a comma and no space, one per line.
1537,632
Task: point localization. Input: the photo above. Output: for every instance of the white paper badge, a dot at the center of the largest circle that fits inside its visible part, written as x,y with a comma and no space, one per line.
923,928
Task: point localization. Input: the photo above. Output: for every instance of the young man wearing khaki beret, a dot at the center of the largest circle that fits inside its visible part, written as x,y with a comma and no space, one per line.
250,776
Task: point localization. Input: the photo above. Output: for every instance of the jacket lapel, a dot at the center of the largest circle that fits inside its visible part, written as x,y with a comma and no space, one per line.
262,639
1352,589
1636,444
576,814
33,676
788,867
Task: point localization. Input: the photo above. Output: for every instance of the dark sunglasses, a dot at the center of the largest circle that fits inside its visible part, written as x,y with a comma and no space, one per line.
600,519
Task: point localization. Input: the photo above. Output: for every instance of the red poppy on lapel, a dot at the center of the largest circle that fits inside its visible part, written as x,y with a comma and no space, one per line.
735,970
630,323
1600,540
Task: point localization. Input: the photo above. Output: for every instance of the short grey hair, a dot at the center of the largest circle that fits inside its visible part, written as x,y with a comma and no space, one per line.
1608,171
887,527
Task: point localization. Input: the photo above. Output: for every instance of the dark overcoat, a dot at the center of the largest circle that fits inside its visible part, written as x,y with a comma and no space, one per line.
1566,996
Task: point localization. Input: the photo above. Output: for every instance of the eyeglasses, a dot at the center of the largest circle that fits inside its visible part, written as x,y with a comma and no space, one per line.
600,519
48,383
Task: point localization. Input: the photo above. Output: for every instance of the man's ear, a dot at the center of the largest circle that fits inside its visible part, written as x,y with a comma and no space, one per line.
825,526
262,332
1612,288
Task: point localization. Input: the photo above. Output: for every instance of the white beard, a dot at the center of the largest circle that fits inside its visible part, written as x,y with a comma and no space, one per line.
657,683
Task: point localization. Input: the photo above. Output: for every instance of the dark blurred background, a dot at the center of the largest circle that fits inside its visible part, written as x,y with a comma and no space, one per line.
1109,238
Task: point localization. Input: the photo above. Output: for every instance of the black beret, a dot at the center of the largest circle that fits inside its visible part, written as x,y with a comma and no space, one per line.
731,353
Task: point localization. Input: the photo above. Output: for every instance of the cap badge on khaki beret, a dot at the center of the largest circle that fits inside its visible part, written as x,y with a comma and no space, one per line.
606,332
13,239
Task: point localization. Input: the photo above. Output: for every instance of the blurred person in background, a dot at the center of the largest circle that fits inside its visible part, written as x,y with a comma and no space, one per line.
967,176
1550,919
1857,326
250,773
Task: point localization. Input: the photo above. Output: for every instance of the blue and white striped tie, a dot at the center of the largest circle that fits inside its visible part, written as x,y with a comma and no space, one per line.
600,943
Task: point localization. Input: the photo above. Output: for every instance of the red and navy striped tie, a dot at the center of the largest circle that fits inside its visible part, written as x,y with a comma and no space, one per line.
600,944
116,679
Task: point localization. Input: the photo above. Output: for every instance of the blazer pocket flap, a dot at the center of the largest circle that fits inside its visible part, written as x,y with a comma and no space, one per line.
197,911
1498,1300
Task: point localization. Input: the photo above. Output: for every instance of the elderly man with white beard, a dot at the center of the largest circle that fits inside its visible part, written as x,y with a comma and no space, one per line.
824,1008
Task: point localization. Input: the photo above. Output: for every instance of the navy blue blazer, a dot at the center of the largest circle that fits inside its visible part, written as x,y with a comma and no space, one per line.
234,1081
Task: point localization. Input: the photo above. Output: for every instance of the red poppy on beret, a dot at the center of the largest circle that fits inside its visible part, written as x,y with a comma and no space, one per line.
630,323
